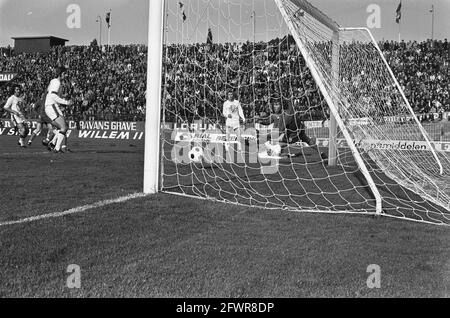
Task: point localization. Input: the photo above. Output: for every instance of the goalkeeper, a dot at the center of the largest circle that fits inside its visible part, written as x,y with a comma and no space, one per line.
291,129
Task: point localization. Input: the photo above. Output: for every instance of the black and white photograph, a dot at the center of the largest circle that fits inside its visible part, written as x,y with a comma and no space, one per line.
224,154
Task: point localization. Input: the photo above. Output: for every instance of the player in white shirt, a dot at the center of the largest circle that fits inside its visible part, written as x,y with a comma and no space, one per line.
232,111
14,106
52,102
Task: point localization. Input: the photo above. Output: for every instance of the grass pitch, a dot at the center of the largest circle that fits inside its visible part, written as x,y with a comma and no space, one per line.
172,246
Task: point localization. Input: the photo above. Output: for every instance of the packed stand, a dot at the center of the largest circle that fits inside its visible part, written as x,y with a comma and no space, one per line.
111,84
106,85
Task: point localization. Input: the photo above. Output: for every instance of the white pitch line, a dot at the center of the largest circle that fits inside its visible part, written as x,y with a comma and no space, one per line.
75,210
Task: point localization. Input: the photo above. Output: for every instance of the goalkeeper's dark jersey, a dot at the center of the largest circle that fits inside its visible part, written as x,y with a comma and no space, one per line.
286,121
39,107
289,123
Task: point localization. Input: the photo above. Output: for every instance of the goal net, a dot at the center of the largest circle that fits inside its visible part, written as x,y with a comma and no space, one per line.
335,85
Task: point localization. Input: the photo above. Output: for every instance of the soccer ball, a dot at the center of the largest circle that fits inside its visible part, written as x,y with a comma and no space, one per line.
196,154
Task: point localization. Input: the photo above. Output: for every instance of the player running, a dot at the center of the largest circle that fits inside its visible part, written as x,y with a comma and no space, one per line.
232,111
43,121
52,110
14,107
291,129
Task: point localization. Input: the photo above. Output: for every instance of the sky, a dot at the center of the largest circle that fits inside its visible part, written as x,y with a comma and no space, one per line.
129,20
230,20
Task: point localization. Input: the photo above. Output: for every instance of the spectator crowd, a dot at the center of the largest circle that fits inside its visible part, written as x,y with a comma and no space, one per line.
110,84
423,70
103,84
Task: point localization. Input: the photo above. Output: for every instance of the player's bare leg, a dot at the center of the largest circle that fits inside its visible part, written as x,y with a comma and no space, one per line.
65,147
53,140
36,132
23,133
50,135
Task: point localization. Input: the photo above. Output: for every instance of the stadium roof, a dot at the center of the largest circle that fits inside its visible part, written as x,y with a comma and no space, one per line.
39,37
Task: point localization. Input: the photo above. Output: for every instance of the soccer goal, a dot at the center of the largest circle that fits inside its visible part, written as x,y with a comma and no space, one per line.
283,59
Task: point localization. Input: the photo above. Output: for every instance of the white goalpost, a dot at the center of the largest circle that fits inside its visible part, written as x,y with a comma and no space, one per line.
341,90
153,96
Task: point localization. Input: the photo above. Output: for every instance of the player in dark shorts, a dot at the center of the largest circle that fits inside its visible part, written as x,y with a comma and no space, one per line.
291,128
43,121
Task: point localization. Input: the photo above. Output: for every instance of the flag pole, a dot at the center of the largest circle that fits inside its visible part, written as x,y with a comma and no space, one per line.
399,20
99,19
254,26
432,22
109,30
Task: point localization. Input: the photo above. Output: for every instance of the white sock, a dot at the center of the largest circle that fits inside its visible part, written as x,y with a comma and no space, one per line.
55,138
59,141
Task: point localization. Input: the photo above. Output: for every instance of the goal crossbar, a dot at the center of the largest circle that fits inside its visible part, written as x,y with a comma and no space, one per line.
317,14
